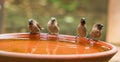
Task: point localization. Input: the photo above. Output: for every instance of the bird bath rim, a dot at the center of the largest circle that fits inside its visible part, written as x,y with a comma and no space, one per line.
110,52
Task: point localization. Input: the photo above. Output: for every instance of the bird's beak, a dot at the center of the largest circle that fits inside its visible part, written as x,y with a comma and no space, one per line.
30,22
53,20
100,26
83,22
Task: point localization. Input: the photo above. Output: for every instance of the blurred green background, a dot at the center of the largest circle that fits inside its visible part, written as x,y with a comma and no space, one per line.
67,12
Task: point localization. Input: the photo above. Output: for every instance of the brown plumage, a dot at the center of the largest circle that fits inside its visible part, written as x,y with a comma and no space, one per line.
34,26
53,26
96,31
81,29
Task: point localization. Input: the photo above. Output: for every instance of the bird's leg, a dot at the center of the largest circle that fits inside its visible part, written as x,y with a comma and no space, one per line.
76,36
76,39
90,40
88,37
95,39
53,35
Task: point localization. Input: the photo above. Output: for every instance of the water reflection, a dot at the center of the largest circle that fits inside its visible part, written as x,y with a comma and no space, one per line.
33,43
32,46
52,47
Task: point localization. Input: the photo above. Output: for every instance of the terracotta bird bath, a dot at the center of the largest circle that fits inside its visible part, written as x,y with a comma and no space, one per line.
25,47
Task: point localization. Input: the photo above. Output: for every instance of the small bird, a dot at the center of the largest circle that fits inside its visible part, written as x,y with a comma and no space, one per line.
81,29
53,26
96,31
34,27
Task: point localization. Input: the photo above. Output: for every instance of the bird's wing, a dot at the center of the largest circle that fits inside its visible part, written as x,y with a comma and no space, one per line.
58,25
39,27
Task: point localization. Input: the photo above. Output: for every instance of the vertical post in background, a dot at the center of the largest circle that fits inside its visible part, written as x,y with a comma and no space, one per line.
1,16
113,26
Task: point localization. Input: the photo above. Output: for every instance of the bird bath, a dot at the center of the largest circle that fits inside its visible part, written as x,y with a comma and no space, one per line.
25,47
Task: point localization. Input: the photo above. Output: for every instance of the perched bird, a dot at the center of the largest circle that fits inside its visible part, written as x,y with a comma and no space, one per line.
96,31
53,26
34,26
81,29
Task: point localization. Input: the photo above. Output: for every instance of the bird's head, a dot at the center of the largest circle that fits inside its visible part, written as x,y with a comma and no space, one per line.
83,22
53,19
99,26
31,21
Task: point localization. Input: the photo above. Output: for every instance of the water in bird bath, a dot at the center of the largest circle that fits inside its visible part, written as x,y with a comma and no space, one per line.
47,47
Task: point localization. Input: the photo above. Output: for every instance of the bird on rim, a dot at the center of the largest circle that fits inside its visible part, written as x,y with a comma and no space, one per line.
96,31
81,29
34,27
53,26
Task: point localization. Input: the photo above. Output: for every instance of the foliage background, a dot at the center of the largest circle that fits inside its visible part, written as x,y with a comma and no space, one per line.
67,12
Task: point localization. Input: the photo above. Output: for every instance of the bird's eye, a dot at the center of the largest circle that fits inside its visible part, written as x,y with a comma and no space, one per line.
99,25
53,20
83,21
31,22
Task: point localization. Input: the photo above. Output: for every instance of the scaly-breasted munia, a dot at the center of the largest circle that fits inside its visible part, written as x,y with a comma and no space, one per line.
81,29
34,26
96,31
53,26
